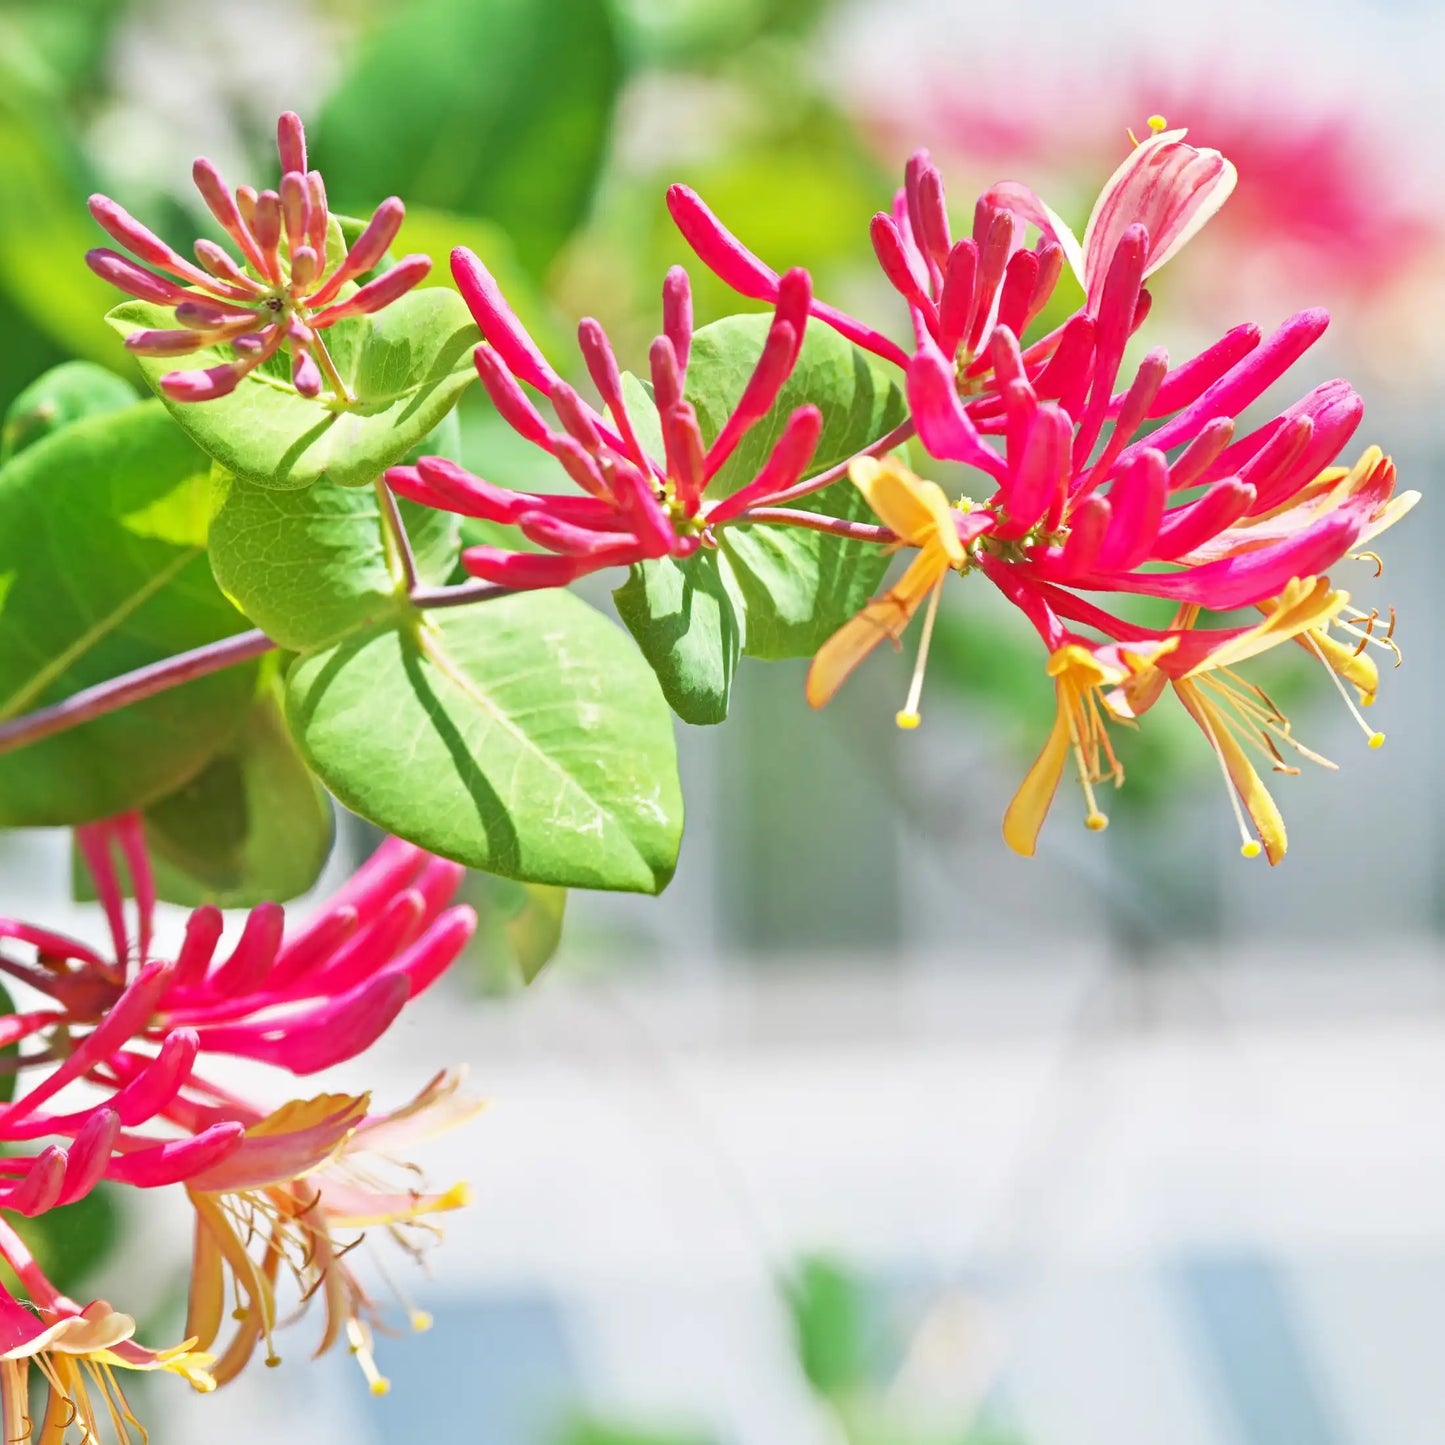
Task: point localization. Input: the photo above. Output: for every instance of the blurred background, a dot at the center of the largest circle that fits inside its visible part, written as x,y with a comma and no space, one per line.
867,1132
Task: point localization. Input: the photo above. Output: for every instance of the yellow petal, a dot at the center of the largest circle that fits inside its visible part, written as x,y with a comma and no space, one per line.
1030,805
1258,803
914,509
885,616
1301,606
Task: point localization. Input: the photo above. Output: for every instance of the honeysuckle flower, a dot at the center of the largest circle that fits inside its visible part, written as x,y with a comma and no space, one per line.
303,1176
301,1003
291,284
76,1350
636,506
959,291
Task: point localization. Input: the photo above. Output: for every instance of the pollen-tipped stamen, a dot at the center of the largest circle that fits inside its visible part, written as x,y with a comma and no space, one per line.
909,717
1373,736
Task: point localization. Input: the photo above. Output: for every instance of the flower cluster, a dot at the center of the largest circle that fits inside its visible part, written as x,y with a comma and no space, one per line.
294,280
637,506
1093,482
275,1191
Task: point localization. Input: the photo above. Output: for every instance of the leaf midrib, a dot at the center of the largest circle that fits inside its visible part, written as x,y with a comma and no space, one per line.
103,627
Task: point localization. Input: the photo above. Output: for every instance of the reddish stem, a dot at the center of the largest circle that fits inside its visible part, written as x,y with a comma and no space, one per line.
886,443
816,522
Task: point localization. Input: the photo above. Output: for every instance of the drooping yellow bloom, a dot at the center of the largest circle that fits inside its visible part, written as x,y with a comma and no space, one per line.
919,514
1080,673
1238,717
78,1352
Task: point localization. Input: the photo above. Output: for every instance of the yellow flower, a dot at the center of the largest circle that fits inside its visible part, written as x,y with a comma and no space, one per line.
919,514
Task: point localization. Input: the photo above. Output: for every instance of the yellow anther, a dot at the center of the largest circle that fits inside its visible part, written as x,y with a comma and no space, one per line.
1158,123
907,720
421,1321
380,1385
1250,849
1377,740
1096,822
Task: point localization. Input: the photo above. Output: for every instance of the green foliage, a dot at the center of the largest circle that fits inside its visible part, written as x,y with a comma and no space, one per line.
102,570
70,1243
524,737
308,567
62,395
497,109
252,825
828,1309
405,367
768,592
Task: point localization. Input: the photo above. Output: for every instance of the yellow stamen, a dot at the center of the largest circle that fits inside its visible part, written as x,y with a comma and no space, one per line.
910,717
1373,737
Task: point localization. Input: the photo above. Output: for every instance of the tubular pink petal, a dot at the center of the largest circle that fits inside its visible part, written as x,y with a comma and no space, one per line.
955,306
310,950
165,343
178,1160
471,495
927,208
377,294
1041,476
203,933
903,270
498,322
994,232
1247,380
677,314
355,961
1136,499
51,944
1016,298
88,1157
568,538
1066,376
1088,527
665,372
436,950
512,403
717,248
122,227
1198,459
1190,526
93,841
1114,315
944,426
291,142
130,834
368,251
320,214
682,439
655,534
134,280
305,374
246,970
522,570
1187,383
601,362
1131,414
771,372
296,214
207,385
160,1080
438,884
224,208
784,466
41,1186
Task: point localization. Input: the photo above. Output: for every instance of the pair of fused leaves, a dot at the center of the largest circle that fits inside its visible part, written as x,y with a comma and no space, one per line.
765,591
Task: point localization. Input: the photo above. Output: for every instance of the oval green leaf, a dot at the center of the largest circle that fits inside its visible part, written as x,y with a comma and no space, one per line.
102,570
523,737
309,567
405,367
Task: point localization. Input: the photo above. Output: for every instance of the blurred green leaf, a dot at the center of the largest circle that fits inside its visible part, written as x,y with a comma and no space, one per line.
64,394
602,1432
71,1243
309,566
523,737
406,367
828,1309
764,591
9,1053
498,109
535,928
253,825
102,570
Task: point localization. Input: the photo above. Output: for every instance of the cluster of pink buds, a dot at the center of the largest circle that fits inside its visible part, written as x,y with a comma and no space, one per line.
271,1188
1078,496
636,506
290,286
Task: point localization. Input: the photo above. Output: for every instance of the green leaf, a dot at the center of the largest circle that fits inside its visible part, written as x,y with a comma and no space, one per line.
523,737
64,394
498,109
534,928
765,591
11,1051
102,570
406,366
309,567
252,825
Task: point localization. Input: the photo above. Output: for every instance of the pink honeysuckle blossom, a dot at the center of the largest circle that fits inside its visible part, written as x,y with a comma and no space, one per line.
958,291
637,506
286,291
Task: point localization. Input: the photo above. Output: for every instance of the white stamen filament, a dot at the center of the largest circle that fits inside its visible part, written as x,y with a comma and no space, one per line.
909,716
1249,846
1375,738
